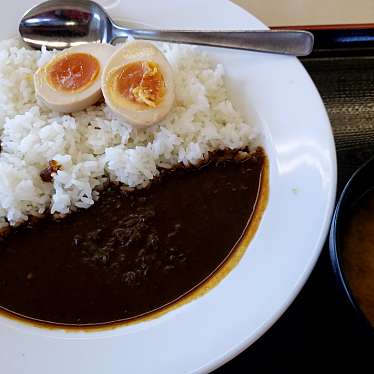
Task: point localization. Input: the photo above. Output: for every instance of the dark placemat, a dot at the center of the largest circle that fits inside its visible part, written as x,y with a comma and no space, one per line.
319,331
347,89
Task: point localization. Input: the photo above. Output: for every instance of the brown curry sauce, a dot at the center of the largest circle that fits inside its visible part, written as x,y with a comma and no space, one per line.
133,254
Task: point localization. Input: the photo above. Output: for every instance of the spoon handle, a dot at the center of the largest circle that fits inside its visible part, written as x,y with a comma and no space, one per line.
297,43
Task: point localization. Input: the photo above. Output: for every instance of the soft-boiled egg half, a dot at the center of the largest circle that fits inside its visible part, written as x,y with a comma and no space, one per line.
138,85
71,80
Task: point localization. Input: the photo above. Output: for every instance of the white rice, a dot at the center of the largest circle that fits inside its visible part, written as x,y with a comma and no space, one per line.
92,145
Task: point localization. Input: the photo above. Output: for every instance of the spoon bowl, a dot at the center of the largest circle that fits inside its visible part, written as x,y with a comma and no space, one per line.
63,24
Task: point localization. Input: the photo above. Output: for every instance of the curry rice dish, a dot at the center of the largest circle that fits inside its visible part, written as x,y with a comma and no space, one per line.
161,179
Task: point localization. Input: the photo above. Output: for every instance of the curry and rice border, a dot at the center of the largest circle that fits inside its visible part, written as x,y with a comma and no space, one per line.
219,274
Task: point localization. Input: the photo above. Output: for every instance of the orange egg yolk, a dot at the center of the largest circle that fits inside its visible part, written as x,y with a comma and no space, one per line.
140,82
73,72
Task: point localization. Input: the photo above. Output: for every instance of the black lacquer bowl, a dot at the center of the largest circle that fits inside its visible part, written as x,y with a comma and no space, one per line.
361,182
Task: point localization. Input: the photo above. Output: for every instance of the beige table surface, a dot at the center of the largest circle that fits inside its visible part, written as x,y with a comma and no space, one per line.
310,12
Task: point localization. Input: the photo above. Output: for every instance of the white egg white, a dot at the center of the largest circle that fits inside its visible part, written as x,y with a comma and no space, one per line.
65,101
132,52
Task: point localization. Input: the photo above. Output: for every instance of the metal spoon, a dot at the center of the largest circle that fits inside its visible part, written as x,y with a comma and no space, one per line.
65,23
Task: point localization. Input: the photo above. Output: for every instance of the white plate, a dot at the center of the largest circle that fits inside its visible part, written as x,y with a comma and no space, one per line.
276,92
